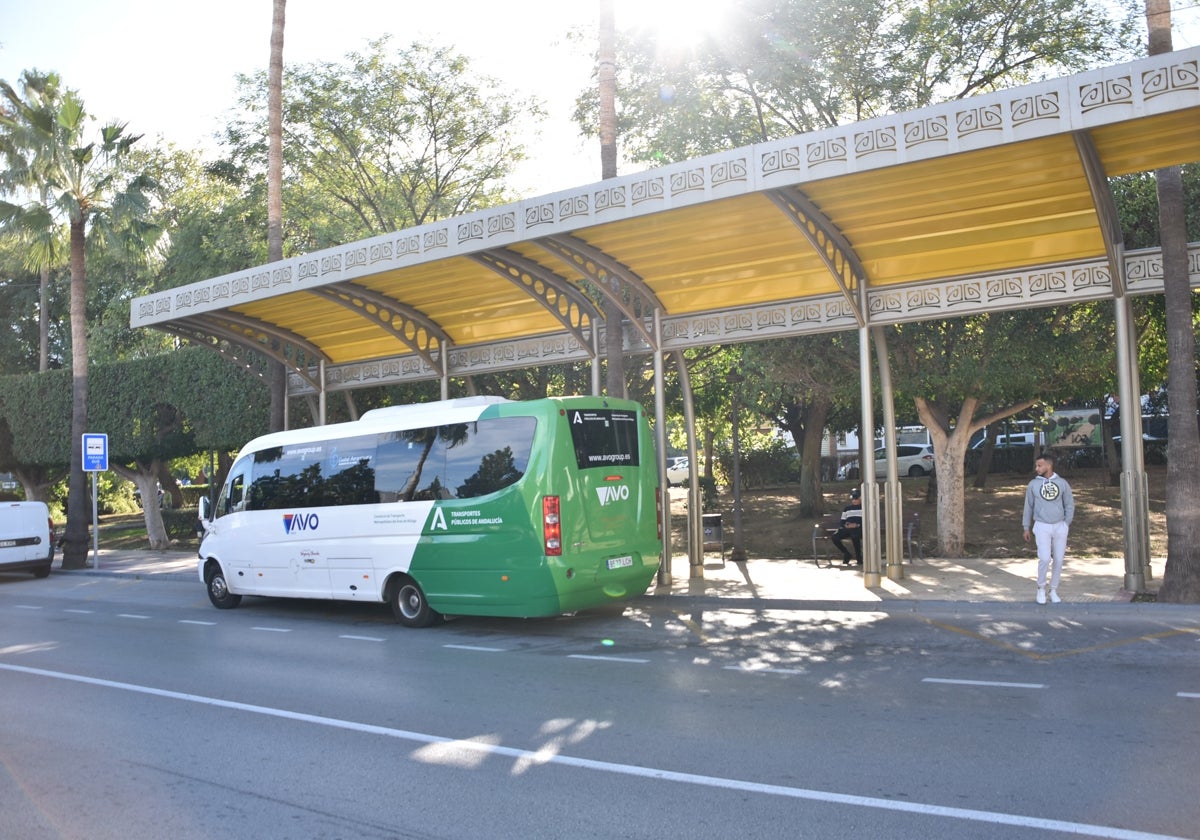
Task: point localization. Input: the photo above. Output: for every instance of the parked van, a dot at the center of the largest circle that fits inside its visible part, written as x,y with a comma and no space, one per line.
26,538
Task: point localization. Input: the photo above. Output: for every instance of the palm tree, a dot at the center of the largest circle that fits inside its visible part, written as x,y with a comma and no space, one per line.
42,240
278,376
1181,578
64,179
607,75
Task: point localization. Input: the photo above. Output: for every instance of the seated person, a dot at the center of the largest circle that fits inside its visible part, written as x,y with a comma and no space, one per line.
851,529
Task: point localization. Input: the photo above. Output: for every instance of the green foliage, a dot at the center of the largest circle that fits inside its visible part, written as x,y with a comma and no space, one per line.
35,420
159,407
775,68
382,141
1002,360
1136,198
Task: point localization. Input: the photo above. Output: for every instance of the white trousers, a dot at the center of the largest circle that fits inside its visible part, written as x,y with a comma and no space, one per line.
1051,539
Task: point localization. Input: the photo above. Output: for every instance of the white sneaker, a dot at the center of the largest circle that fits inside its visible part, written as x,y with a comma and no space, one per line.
1054,599
1041,595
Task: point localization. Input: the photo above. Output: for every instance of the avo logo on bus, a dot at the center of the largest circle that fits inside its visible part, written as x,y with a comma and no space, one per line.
609,493
300,522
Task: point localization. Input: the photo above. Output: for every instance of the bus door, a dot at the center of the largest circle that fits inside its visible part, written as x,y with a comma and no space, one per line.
609,461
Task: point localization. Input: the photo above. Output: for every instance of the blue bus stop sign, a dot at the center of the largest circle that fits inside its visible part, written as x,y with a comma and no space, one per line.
95,452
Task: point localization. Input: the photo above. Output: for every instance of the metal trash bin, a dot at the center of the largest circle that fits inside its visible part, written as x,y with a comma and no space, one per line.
714,537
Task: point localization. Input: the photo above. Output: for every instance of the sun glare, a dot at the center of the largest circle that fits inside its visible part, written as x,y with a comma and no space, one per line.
675,24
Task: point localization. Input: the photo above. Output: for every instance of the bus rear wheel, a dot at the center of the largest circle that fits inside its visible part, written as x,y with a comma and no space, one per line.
218,589
409,606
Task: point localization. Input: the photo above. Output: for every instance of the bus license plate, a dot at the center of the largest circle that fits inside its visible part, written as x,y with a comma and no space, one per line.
620,562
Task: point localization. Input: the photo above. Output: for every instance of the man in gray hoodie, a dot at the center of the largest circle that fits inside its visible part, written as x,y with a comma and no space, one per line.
1049,509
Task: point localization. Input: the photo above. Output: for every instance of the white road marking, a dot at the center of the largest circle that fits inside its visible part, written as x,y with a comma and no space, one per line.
26,607
545,758
363,638
1189,694
201,623
986,683
131,615
478,647
272,629
80,612
608,658
752,669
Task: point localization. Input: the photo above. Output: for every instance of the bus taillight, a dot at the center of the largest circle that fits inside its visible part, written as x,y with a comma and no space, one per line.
658,509
551,527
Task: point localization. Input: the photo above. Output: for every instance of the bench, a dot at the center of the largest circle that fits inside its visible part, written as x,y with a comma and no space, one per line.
824,530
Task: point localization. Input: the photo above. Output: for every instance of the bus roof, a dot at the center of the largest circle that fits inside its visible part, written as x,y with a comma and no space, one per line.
387,419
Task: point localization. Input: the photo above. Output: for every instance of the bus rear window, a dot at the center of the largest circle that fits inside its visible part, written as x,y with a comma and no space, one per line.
604,437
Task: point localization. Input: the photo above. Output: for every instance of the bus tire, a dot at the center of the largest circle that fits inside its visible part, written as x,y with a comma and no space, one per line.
218,589
408,603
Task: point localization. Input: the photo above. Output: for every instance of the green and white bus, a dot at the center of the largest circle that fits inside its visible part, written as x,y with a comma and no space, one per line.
471,506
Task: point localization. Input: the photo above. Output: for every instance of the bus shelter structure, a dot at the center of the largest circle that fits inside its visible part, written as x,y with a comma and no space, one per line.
995,202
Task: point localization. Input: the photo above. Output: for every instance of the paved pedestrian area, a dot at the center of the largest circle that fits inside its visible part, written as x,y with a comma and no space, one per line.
971,580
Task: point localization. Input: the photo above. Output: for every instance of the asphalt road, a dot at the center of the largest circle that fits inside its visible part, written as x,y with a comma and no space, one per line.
132,709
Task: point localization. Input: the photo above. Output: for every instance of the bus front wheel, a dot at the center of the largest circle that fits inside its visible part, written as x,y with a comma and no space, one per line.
409,606
218,589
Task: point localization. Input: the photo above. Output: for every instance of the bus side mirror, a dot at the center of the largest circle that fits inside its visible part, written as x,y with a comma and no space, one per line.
205,508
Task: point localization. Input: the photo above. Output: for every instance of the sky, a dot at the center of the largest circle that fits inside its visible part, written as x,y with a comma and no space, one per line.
168,68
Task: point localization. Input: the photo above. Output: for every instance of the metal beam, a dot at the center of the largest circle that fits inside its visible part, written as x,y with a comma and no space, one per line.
227,341
829,243
409,325
561,298
1106,208
636,300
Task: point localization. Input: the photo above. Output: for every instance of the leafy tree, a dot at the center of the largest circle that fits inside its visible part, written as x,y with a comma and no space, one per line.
382,141
809,383
774,69
153,409
966,373
781,68
160,408
61,176
35,428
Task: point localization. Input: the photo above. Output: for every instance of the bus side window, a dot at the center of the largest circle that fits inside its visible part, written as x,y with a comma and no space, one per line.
237,494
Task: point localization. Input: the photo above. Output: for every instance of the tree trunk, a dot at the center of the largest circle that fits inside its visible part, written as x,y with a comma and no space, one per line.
44,319
983,467
607,74
278,373
949,456
75,538
145,479
807,427
1181,577
36,482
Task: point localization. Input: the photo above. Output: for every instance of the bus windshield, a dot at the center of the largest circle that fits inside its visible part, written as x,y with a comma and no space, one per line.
604,437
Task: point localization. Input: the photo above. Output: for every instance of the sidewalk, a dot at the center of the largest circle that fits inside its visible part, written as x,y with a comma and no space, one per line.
970,580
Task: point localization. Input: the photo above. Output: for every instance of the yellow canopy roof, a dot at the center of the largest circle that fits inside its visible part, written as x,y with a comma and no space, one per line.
991,202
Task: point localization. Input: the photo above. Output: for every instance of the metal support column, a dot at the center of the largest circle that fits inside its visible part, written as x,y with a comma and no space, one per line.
870,496
444,353
1135,500
595,359
660,440
695,527
321,399
893,500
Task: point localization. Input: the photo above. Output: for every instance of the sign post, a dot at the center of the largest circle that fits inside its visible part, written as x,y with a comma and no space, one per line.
95,459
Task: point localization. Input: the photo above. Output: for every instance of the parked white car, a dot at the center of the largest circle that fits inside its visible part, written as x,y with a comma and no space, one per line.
678,471
26,538
912,459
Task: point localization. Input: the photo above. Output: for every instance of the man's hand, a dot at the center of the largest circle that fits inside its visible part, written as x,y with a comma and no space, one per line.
1027,536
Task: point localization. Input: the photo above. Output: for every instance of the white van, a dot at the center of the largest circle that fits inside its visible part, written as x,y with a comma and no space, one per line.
26,538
